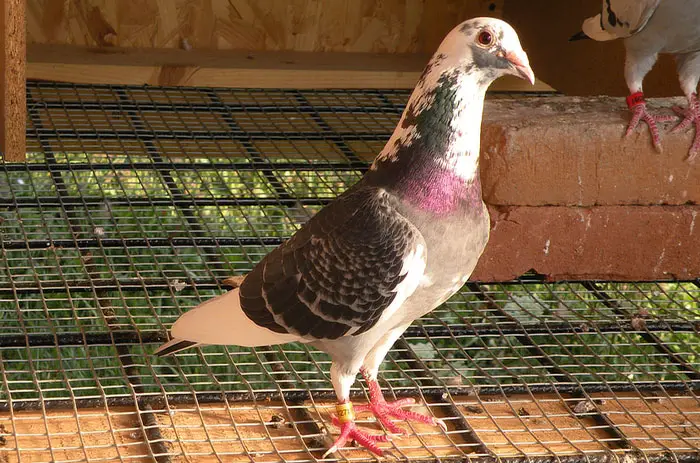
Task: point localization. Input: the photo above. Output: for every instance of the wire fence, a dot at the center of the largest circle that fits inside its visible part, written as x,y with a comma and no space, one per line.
137,202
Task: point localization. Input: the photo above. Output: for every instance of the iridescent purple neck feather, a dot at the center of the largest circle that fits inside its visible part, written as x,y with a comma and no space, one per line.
432,159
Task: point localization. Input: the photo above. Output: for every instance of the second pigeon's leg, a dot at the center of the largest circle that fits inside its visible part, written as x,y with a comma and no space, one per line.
688,64
384,411
637,64
691,115
636,104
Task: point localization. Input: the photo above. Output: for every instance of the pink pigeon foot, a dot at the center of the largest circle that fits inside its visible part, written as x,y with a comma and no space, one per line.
691,115
349,432
636,103
384,410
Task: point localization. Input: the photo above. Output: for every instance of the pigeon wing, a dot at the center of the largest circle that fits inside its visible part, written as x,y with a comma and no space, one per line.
620,19
353,263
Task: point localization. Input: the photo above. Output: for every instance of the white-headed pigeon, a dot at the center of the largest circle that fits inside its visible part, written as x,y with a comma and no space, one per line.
650,27
390,249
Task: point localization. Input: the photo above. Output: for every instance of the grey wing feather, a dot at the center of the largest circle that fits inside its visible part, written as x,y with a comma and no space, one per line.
338,273
620,19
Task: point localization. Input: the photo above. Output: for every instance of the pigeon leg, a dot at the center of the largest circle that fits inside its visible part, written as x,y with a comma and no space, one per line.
345,420
342,377
636,103
691,115
384,410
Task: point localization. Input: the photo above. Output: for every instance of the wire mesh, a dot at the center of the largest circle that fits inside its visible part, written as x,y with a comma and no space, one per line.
136,202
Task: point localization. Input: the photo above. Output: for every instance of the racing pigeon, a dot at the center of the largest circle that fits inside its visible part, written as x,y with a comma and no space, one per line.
650,27
388,250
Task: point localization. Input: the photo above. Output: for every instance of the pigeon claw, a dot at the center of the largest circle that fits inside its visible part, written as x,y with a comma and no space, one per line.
691,116
641,113
384,411
349,432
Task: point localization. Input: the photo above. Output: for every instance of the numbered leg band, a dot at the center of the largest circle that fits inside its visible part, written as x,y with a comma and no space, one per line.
345,412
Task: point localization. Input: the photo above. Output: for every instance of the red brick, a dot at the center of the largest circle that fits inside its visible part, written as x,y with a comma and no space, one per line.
570,151
604,242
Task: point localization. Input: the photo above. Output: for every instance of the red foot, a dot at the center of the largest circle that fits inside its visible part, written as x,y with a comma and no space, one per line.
691,115
640,113
349,432
384,410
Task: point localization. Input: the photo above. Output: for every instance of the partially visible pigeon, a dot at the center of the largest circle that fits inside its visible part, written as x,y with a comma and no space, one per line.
390,249
650,27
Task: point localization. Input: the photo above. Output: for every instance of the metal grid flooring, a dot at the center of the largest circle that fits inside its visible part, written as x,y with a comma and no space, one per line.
116,225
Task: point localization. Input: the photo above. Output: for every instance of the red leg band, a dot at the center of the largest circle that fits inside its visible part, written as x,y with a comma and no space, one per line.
635,99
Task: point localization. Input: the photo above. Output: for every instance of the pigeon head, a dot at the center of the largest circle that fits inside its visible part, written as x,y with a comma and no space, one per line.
592,28
487,46
444,110
433,154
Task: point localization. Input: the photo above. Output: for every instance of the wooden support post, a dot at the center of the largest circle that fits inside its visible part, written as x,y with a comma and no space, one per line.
13,107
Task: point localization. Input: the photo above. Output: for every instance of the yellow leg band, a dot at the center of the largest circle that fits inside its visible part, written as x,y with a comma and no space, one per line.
345,412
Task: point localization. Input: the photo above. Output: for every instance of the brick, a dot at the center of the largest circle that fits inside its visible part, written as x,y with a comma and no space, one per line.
571,151
604,242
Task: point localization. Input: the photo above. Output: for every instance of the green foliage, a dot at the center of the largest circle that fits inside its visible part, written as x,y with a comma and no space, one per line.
144,287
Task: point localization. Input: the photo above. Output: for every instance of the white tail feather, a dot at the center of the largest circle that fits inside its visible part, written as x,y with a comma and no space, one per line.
221,321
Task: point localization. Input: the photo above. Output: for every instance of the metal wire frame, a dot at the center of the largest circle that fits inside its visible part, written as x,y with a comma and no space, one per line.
116,225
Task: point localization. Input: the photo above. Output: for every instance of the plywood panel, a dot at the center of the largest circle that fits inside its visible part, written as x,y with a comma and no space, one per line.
388,26
245,43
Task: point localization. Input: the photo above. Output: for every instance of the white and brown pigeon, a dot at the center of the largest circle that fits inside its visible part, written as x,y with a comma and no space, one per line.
390,249
650,27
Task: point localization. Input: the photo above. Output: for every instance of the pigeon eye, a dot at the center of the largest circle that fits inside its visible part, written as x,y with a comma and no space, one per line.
485,38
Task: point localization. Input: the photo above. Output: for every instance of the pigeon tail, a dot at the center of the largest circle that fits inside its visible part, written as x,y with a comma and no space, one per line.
172,346
221,320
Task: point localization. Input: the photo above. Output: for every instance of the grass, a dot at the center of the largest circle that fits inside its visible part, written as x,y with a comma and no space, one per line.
170,276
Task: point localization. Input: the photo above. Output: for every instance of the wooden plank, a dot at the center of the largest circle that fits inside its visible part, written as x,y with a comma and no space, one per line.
241,432
521,425
534,425
61,435
219,68
12,83
210,77
237,433
653,422
222,59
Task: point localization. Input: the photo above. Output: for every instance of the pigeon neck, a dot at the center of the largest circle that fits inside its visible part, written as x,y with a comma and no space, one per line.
432,159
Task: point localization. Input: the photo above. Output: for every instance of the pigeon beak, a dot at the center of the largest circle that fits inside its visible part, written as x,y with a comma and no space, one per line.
521,65
579,36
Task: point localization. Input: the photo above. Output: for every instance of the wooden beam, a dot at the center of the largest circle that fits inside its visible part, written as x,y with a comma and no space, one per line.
13,106
233,68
